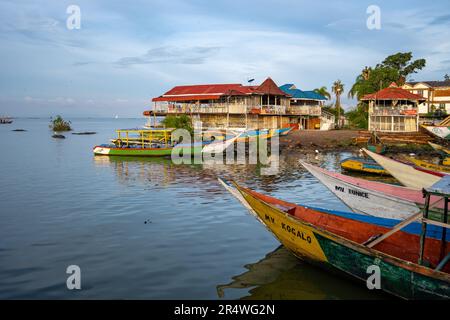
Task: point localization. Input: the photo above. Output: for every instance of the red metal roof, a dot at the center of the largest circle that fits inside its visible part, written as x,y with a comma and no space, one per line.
393,93
215,91
187,97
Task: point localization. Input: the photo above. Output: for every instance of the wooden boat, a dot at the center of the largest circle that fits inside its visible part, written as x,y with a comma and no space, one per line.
441,149
351,246
371,197
413,228
374,144
220,146
285,131
406,174
442,132
428,165
146,143
363,165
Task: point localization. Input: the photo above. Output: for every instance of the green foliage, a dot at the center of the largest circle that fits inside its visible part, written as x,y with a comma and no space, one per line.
323,91
179,122
59,124
358,116
395,68
447,77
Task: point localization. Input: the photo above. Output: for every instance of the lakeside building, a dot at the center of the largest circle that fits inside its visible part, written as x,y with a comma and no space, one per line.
237,106
306,106
436,94
393,109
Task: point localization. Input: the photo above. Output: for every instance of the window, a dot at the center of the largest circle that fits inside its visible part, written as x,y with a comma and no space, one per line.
420,92
441,105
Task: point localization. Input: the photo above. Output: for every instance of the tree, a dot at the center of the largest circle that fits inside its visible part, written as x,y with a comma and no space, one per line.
59,124
179,122
447,77
338,89
402,63
395,68
323,91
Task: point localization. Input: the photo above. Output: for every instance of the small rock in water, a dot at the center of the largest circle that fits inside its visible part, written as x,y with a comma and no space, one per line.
84,133
58,136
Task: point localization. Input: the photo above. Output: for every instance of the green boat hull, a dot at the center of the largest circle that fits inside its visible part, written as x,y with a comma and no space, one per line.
147,152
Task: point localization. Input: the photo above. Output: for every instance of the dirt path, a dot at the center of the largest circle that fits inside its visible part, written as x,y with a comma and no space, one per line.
310,140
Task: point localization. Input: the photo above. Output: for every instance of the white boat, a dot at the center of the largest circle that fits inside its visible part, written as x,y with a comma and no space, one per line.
355,193
219,146
406,174
439,131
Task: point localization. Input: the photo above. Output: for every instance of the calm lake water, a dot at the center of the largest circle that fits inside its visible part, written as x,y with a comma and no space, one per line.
145,228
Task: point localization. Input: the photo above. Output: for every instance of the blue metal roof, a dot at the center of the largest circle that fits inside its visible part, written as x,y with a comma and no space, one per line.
290,89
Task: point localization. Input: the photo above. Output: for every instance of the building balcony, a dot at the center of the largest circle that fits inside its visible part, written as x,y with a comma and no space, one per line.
305,110
218,108
393,111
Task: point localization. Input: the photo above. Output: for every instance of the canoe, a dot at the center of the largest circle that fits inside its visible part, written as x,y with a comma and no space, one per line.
371,197
442,132
284,131
443,150
137,151
413,228
335,242
362,165
220,146
428,165
406,174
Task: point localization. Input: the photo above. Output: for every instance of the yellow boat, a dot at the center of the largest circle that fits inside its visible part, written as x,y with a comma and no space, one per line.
428,165
363,165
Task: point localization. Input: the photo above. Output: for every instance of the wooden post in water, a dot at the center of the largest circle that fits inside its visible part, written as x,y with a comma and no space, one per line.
424,228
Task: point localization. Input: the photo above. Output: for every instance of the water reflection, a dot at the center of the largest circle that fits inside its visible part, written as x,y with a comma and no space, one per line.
281,276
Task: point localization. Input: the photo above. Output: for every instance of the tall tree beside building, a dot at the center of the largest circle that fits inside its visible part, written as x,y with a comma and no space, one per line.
338,89
395,68
323,91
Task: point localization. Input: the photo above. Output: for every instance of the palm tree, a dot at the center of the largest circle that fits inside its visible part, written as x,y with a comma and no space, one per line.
338,89
366,73
323,91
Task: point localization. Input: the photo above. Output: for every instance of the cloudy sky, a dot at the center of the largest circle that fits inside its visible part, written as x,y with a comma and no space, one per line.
127,52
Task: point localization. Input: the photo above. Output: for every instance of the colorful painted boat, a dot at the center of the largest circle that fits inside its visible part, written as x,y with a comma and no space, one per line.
441,149
146,143
339,243
371,197
285,131
363,165
442,132
406,174
413,228
428,165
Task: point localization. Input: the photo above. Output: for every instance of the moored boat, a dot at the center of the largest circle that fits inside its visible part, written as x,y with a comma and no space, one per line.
146,143
6,120
428,165
352,246
371,197
362,165
442,132
441,149
406,174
